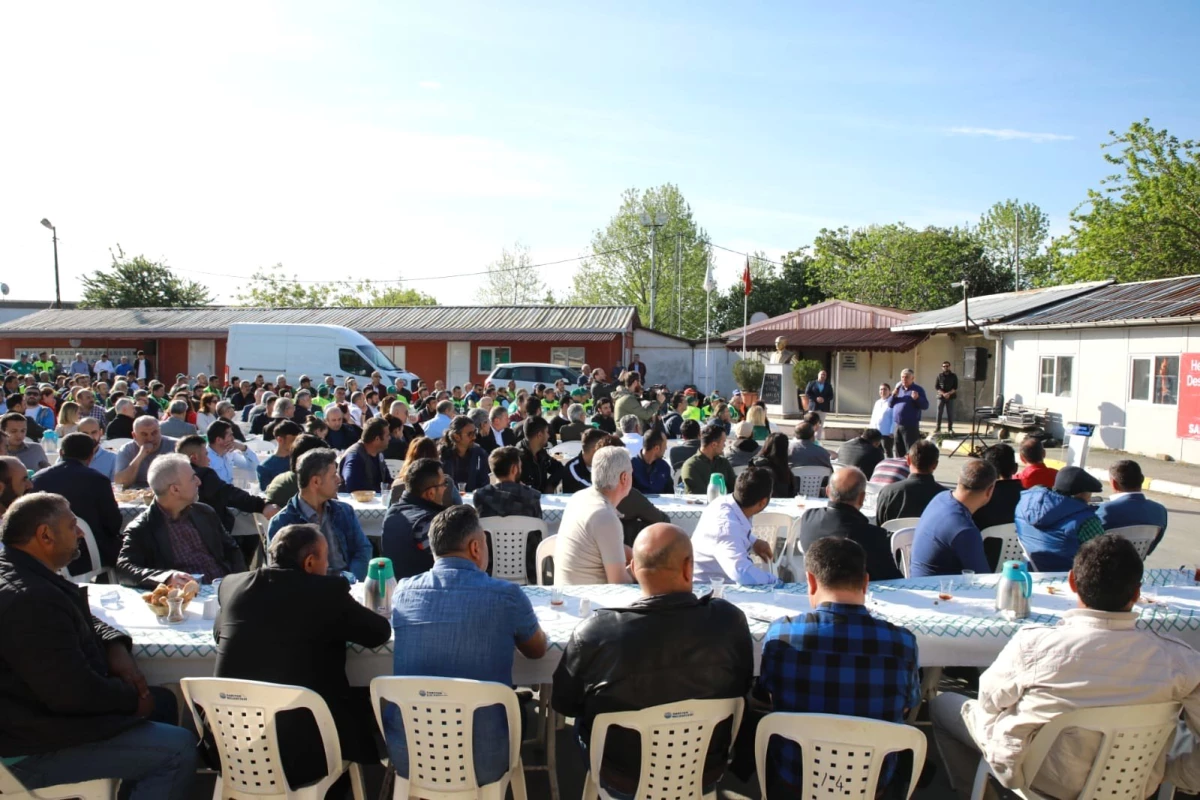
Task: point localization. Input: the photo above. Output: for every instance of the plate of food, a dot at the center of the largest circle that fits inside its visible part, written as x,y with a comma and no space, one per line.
159,599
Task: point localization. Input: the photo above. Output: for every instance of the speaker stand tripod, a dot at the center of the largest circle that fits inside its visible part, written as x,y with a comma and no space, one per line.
973,438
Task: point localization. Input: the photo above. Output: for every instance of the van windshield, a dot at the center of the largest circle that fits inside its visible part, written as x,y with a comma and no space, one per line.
377,358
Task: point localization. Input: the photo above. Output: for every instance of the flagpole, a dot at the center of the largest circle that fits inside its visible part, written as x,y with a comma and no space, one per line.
707,368
745,324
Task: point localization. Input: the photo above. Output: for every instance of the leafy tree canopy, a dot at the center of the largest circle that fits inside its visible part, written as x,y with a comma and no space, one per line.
511,280
270,288
775,290
140,283
1011,229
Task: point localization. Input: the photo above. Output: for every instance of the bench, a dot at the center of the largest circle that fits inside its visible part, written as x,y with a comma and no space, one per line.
1017,417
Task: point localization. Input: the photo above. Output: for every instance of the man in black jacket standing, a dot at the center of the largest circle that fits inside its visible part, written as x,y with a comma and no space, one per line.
74,704
819,394
90,496
843,517
946,387
666,647
253,645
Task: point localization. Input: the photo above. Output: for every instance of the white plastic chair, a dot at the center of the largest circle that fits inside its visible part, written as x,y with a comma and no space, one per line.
778,530
241,716
1133,738
902,542
261,447
899,524
809,479
1140,536
566,450
114,445
545,552
738,471
439,723
1010,547
243,426
675,739
101,789
510,537
89,540
394,465
842,756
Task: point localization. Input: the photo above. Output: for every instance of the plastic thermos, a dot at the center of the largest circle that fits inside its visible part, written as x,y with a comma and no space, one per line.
378,588
716,486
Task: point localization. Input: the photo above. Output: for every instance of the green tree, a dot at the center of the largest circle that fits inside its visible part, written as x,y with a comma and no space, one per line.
140,283
1009,229
512,280
269,288
619,268
1144,221
898,266
774,290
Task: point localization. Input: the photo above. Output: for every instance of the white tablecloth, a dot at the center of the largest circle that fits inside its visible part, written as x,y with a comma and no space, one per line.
964,631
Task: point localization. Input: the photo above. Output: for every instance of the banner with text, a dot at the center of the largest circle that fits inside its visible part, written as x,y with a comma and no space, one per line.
1189,396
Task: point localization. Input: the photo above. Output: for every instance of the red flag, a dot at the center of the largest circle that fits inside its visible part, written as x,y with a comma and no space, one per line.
746,277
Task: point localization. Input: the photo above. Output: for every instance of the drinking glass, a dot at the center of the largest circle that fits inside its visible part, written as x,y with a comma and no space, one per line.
946,589
556,596
680,489
718,587
111,600
968,578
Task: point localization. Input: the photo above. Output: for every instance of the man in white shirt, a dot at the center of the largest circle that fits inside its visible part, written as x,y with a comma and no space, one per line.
631,434
102,365
437,426
1095,657
226,453
724,538
590,547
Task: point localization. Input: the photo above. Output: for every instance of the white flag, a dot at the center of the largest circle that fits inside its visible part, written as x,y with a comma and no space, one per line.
710,285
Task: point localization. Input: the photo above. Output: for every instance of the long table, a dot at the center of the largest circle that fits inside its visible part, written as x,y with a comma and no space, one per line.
964,631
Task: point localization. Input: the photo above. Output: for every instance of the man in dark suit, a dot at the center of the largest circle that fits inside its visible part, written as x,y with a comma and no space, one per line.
908,498
176,537
864,451
843,517
820,394
255,643
501,435
91,497
1129,506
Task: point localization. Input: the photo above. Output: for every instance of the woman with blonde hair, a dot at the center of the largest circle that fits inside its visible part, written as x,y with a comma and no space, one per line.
756,415
68,419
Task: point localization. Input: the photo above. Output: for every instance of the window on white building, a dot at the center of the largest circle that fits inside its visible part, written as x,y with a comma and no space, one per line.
492,357
1055,375
395,352
1155,379
567,356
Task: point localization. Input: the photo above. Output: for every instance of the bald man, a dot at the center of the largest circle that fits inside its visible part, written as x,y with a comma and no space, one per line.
665,647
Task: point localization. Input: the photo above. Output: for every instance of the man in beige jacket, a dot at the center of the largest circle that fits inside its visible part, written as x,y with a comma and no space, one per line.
1094,657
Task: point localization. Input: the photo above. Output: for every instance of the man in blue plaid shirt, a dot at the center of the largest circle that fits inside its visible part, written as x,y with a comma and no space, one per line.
836,659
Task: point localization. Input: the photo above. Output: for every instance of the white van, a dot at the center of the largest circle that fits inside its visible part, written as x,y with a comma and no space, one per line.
312,350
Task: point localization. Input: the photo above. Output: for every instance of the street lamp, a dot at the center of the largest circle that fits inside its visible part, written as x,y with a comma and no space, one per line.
57,292
653,223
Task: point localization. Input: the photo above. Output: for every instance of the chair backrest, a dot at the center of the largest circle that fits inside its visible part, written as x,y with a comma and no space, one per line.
1140,536
510,537
1010,545
777,530
394,465
567,450
89,540
893,525
1133,739
439,724
261,446
810,479
842,755
739,471
902,542
544,561
114,445
675,739
241,717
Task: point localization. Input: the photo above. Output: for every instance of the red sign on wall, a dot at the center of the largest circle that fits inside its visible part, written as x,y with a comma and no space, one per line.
1189,396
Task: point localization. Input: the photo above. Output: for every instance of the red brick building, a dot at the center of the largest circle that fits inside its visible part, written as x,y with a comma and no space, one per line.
452,343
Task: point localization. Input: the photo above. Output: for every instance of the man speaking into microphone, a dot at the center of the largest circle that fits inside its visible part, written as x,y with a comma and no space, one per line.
909,401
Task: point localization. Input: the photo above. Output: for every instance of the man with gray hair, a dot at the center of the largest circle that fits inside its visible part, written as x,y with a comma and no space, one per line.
576,424
843,517
631,434
264,413
176,426
121,425
177,537
445,415
908,400
135,458
591,542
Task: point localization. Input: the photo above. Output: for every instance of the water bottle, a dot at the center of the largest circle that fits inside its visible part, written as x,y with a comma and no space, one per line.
380,583
716,486
50,442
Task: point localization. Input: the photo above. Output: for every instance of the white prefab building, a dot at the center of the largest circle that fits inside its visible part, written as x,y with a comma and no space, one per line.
1117,357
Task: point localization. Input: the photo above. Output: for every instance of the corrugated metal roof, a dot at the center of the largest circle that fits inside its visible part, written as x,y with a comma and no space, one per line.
873,339
409,321
1166,301
994,308
835,314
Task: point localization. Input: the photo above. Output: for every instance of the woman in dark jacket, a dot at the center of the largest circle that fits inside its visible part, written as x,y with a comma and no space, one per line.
774,457
464,461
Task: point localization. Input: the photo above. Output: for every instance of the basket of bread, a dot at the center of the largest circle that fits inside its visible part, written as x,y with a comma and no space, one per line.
158,599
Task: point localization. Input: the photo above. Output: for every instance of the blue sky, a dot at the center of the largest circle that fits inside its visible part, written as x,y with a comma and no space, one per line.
414,140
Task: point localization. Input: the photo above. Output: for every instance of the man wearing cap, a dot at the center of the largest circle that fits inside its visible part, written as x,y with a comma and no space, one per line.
1052,523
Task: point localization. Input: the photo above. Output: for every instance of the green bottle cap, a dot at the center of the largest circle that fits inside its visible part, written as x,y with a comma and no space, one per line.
380,569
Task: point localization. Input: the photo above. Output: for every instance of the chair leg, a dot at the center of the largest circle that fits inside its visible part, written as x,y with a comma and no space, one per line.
217,787
1166,791
981,778
590,790
518,782
357,787
389,778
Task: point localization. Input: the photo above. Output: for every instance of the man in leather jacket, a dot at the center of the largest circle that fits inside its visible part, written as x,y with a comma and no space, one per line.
666,647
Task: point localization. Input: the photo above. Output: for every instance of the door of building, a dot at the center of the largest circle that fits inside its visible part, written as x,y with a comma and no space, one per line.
458,363
201,355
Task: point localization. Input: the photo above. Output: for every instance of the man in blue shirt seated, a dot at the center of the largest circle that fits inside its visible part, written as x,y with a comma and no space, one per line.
651,472
836,659
724,539
1128,506
456,621
947,540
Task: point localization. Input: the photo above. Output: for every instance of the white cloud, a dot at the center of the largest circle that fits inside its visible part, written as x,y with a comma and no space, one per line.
1009,134
432,86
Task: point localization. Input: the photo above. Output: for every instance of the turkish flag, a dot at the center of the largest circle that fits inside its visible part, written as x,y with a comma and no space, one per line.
746,277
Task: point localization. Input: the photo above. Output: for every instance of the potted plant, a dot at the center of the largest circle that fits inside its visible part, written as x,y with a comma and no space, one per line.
804,372
748,374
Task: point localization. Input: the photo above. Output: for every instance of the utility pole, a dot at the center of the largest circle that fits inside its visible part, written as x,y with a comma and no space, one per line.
659,220
1018,258
679,284
57,293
